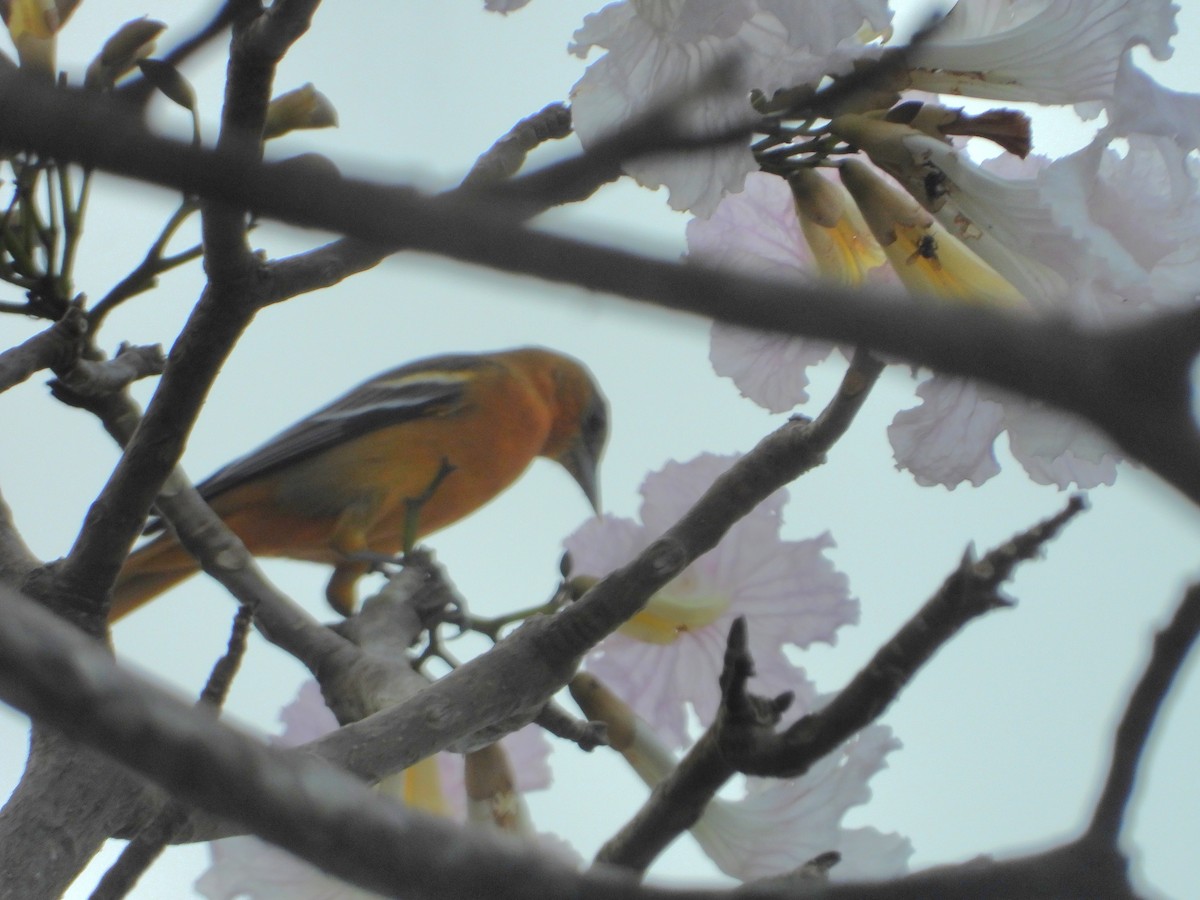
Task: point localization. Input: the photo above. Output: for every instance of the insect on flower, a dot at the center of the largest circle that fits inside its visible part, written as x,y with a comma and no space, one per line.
935,185
926,249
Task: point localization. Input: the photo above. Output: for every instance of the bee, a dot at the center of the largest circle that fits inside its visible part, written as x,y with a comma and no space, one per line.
926,249
935,185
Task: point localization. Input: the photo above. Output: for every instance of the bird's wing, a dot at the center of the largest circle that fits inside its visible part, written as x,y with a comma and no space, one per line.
431,387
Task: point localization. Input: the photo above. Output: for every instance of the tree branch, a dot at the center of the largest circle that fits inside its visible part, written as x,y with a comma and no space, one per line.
57,346
55,674
1171,648
1140,398
743,737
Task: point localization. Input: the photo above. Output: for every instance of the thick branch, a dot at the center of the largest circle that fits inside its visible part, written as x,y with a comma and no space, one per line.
743,737
55,347
51,672
1130,382
55,674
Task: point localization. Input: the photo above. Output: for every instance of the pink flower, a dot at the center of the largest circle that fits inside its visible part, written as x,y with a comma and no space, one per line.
660,48
1099,235
1103,235
670,656
758,232
949,438
778,824
1045,51
248,867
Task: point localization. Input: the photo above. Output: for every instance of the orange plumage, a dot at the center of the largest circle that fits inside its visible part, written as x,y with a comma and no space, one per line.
333,487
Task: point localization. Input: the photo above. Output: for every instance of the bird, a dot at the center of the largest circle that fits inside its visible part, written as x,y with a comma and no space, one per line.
440,437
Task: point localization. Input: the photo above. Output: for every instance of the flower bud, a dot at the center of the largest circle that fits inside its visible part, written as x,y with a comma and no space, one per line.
492,795
842,245
929,260
133,41
305,107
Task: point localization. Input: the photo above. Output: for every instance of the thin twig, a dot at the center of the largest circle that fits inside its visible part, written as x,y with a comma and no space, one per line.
1171,648
743,737
148,844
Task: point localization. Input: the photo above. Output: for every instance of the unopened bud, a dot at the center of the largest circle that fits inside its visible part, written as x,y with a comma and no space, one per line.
305,107
133,41
600,704
842,245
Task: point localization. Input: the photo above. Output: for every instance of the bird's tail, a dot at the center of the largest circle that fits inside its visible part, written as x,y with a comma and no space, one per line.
148,572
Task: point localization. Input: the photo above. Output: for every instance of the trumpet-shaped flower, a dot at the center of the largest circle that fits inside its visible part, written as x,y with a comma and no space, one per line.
33,26
843,248
928,259
949,437
759,232
673,651
657,49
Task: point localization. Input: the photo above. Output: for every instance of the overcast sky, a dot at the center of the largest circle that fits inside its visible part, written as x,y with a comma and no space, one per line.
1006,733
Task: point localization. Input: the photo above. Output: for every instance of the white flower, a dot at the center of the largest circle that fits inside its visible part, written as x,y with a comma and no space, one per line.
1140,105
1046,51
778,824
673,651
663,48
949,438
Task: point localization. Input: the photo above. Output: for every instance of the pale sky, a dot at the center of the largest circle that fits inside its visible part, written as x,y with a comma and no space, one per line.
1006,732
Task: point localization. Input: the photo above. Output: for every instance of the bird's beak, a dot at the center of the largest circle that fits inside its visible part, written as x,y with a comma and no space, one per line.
583,462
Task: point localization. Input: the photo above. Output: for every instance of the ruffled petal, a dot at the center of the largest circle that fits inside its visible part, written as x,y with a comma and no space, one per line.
1056,448
661,49
1140,105
948,439
782,823
1045,51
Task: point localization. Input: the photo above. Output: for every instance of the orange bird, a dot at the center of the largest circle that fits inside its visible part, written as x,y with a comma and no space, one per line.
447,433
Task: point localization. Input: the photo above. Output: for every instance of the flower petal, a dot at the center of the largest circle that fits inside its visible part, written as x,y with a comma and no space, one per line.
1046,51
948,438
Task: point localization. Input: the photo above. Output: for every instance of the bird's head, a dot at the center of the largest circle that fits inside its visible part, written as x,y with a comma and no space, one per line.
580,426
